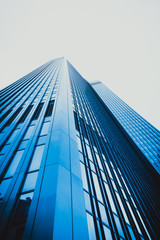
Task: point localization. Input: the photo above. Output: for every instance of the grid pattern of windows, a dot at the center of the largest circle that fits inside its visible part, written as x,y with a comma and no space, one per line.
67,170
113,211
143,133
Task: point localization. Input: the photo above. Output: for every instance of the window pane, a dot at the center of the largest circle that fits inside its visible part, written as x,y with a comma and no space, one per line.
96,184
110,198
37,157
107,233
79,144
45,128
87,201
84,178
29,132
4,186
14,134
89,152
30,181
103,213
118,224
15,161
91,229
22,209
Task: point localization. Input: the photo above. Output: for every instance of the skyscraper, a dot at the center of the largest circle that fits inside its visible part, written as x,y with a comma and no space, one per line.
69,167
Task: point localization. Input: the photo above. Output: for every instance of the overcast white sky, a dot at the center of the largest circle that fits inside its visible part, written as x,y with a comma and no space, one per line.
116,42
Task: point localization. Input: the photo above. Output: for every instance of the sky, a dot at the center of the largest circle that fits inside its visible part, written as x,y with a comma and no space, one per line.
112,41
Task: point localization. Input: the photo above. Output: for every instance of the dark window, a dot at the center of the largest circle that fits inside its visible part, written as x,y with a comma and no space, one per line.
37,111
25,114
13,116
5,115
49,109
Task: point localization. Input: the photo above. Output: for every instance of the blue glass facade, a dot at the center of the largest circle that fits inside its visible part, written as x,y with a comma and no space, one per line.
67,169
146,137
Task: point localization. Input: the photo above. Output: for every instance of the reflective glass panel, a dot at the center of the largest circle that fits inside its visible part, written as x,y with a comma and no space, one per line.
45,128
4,186
91,229
30,181
37,157
15,161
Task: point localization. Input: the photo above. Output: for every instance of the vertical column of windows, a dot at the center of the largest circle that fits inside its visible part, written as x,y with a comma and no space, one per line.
112,182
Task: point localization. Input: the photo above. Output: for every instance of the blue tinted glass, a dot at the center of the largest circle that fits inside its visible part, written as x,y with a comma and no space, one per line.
45,128
96,184
29,132
30,181
14,134
84,179
118,224
103,213
23,144
91,229
110,198
79,144
107,233
14,164
87,201
37,157
4,186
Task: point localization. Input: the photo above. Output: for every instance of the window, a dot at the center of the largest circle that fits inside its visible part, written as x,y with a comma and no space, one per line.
4,186
110,198
15,161
49,109
91,229
45,128
29,132
25,114
118,224
84,178
30,181
87,201
107,233
37,111
13,116
89,152
103,213
97,188
13,135
79,144
37,157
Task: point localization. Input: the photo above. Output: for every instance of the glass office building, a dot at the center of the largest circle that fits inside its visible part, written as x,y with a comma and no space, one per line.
145,136
69,166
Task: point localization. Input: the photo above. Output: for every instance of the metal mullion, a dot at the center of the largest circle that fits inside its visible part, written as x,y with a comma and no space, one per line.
29,78
87,175
18,117
26,93
27,155
126,207
7,158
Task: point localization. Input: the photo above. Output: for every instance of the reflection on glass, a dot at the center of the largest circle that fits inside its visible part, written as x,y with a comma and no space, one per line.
84,178
14,134
110,198
4,186
96,184
37,157
45,128
107,233
118,224
103,213
29,132
15,161
87,201
91,229
30,181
